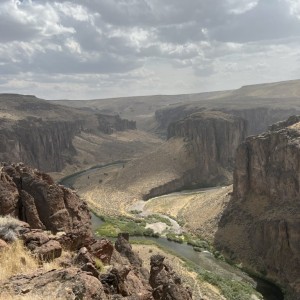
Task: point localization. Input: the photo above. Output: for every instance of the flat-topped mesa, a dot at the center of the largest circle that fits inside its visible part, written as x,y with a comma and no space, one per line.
33,197
212,138
261,225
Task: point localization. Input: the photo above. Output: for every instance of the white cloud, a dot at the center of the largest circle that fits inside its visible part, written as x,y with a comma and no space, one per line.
98,48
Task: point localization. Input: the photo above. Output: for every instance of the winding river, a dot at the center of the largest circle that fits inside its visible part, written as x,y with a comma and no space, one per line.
205,260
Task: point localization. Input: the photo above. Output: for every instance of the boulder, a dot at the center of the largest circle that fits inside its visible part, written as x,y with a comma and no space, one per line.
71,283
41,245
102,249
165,283
33,197
123,246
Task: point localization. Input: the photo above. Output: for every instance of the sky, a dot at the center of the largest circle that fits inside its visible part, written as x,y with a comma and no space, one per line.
112,48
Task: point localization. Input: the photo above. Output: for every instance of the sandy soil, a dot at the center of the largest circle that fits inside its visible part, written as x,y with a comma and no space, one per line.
200,211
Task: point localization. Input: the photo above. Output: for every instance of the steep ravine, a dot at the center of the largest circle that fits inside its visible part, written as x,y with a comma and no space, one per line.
260,226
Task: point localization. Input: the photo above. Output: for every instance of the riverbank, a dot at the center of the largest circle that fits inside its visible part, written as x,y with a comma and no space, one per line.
216,272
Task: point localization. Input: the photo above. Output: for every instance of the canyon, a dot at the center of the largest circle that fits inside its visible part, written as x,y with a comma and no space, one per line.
50,137
150,146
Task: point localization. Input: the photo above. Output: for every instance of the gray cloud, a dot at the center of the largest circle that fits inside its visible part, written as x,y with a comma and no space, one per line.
132,45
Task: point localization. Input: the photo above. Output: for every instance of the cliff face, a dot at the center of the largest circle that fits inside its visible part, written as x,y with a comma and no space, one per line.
41,134
110,123
210,139
261,224
43,144
258,117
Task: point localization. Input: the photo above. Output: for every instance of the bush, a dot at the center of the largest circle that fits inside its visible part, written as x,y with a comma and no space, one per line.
8,228
175,238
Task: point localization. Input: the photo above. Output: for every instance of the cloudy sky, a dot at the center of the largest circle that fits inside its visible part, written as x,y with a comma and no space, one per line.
107,48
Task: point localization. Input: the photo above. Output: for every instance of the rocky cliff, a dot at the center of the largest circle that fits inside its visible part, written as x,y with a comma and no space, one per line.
33,197
46,145
41,134
51,219
257,115
110,123
260,226
210,139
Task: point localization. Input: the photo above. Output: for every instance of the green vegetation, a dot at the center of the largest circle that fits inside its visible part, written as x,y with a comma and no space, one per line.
135,227
135,212
157,218
99,265
175,238
231,289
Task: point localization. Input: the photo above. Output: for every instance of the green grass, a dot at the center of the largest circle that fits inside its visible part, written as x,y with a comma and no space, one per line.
157,218
135,227
175,238
231,289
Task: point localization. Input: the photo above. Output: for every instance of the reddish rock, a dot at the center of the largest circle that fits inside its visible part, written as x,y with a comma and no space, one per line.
48,251
9,196
123,246
165,283
41,245
33,197
71,283
102,249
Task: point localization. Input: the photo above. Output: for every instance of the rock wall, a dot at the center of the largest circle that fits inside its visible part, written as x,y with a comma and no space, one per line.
258,118
261,224
46,145
212,138
41,134
33,197
209,140
110,123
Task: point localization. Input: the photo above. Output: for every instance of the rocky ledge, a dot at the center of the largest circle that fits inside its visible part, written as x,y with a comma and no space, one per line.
49,220
261,224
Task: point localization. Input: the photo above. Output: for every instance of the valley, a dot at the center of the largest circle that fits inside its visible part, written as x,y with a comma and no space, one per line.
217,171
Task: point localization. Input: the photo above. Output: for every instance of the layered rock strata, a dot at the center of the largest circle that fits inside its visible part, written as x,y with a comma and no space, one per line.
261,224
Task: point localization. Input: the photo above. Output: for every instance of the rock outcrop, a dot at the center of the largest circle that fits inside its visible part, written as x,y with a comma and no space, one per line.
110,123
211,139
69,283
165,283
261,224
41,134
257,114
33,197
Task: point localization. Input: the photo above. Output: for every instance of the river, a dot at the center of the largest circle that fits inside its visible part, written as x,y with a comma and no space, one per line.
204,260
